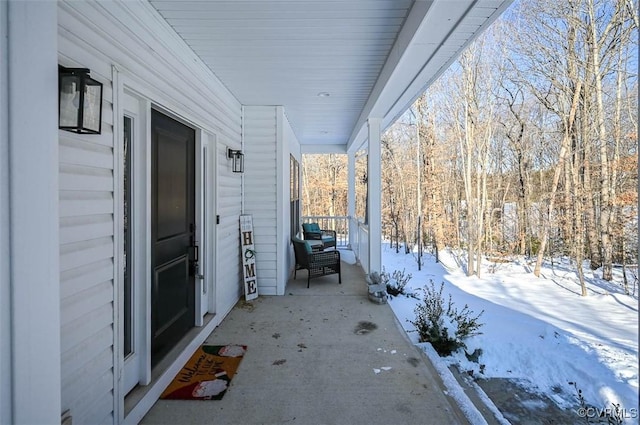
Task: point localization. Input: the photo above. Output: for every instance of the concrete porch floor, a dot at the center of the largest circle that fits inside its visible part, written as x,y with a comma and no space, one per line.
311,358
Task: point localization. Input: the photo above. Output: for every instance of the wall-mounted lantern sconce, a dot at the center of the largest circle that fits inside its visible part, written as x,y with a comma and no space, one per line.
80,101
238,160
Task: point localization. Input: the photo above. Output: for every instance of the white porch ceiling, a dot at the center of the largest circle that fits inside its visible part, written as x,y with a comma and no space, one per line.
373,57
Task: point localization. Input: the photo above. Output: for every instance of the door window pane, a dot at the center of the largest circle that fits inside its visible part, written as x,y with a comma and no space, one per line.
128,290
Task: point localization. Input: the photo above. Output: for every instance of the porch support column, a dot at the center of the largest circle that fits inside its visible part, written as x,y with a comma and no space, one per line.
374,173
351,197
34,277
5,277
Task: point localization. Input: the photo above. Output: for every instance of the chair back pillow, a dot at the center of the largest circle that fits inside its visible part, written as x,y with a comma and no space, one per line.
307,247
311,227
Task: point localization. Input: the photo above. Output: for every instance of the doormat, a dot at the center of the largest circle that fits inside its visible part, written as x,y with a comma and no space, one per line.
207,374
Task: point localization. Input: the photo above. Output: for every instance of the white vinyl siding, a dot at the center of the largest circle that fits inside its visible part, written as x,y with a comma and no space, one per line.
228,249
260,187
5,245
269,140
290,146
86,269
133,38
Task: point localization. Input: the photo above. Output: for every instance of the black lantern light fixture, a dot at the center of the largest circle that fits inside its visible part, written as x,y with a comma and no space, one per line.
80,101
238,160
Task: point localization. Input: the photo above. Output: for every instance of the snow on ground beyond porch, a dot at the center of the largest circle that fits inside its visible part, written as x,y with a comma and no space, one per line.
538,330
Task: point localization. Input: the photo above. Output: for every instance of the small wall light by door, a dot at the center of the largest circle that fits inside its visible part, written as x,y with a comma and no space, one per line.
80,101
238,160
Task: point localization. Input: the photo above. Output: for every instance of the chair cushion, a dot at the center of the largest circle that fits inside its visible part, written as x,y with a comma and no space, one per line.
306,244
311,227
326,240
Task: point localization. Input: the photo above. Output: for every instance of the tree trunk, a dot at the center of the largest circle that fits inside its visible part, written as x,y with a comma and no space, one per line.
574,92
606,207
564,150
577,202
595,260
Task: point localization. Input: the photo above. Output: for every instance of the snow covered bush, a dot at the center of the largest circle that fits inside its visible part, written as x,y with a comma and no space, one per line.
441,324
397,283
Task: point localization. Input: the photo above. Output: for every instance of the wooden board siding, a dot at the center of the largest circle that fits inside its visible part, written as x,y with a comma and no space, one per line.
260,188
132,37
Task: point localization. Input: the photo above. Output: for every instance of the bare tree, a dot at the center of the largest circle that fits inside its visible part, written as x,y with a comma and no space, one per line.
522,146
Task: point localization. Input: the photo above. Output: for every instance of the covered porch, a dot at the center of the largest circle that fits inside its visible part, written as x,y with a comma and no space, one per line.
271,80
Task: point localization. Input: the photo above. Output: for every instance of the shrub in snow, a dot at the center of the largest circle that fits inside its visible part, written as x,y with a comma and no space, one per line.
441,324
397,282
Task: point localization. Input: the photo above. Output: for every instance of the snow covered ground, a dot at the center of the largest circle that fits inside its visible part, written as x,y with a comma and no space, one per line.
539,330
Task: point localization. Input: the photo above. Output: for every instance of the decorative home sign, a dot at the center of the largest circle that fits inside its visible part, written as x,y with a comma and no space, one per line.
248,257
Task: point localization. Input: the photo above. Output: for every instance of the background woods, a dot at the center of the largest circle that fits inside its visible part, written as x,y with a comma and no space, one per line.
527,145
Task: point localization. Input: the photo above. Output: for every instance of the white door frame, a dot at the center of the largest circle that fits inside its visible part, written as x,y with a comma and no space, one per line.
140,225
205,217
137,368
134,370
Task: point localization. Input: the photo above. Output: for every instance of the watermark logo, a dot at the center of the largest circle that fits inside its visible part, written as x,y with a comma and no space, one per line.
614,414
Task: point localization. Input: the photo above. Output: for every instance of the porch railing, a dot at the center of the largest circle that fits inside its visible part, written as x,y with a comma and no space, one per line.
360,245
350,232
338,223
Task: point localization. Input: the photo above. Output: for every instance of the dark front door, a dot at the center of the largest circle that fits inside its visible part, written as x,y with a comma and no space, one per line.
172,232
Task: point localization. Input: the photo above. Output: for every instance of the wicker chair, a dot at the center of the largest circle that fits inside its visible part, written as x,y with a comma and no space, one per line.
313,231
318,263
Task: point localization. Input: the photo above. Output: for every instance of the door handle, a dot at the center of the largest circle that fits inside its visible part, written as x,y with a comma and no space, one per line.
196,253
194,257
